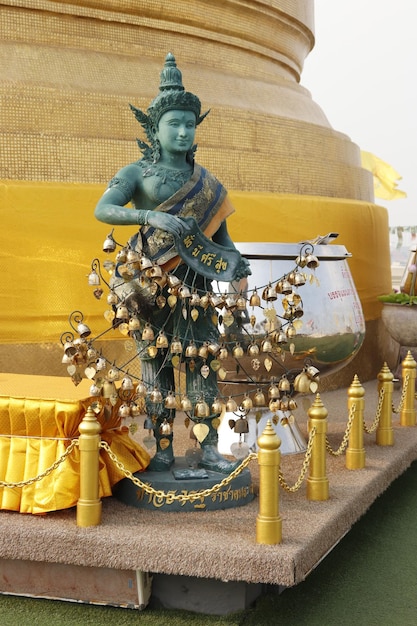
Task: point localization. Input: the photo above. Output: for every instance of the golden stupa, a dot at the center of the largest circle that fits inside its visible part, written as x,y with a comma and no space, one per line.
70,70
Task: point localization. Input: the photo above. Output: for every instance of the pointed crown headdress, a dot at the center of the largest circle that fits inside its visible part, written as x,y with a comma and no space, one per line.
172,96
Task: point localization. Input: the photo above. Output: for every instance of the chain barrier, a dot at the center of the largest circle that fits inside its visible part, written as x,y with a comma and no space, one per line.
375,423
346,436
181,497
403,394
49,470
304,467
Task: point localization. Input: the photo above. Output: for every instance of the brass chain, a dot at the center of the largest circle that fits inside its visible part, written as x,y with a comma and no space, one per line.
403,394
54,466
345,439
304,467
181,497
375,423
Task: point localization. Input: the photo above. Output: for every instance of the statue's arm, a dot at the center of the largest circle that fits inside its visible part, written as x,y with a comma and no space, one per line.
111,208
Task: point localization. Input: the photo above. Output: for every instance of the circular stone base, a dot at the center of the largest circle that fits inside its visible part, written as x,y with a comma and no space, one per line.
181,479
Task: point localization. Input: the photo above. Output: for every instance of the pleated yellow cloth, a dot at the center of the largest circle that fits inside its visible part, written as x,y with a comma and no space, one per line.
35,430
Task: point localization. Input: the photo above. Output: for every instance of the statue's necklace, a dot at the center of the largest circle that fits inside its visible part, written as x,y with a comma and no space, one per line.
168,175
164,181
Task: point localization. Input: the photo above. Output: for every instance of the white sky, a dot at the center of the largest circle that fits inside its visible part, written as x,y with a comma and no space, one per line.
362,74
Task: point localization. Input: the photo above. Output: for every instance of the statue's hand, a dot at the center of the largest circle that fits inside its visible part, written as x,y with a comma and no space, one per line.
168,223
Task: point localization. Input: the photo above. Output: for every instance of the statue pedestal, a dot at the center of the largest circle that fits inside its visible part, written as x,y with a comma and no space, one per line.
236,493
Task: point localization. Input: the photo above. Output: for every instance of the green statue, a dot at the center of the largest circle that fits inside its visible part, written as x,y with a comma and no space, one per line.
166,188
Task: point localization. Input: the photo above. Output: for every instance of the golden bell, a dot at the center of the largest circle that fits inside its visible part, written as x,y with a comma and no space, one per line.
283,403
141,389
266,345
155,396
312,261
223,353
259,398
299,279
301,260
124,410
152,351
230,302
83,330
134,323
145,263
247,403
273,392
195,299
122,312
284,384
286,287
302,383
148,334
291,331
217,407
213,348
216,301
170,401
113,373
241,426
292,405
274,406
269,294
297,311
312,372
91,354
173,281
121,256
204,301
203,350
127,383
161,280
241,303
184,292
202,409
155,271
176,346
161,340
165,428
231,406
253,349
238,351
186,404
133,258
69,349
281,337
191,350
93,278
255,299
112,298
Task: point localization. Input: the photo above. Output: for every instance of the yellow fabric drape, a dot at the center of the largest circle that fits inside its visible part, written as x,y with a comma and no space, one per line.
35,432
49,237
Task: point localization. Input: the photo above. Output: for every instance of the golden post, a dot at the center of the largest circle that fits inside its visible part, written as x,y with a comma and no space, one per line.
317,482
89,504
268,521
385,431
408,370
355,453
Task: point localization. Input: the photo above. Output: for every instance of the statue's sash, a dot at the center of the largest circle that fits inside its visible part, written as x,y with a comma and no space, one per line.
203,197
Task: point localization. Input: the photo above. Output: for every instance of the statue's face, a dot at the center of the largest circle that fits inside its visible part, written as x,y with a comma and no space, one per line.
176,131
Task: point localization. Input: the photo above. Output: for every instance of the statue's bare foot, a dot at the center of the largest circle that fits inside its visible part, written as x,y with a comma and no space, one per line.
214,461
162,461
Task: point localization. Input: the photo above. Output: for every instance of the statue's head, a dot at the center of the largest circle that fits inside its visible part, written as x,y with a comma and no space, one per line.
171,97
